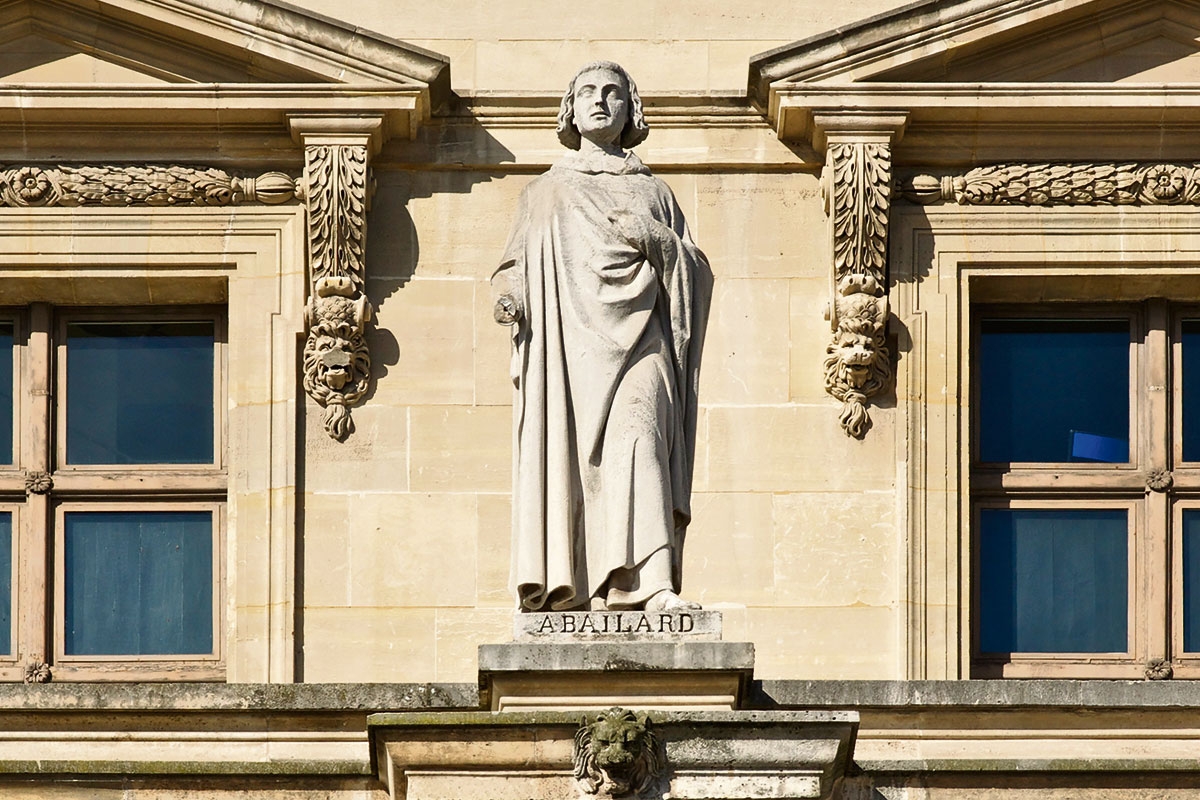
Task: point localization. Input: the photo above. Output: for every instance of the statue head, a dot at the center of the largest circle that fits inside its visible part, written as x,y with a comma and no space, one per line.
620,121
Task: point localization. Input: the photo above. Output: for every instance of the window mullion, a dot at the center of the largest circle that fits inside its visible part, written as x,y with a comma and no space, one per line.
1155,450
37,407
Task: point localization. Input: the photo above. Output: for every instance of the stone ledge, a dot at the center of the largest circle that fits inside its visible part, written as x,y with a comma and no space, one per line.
616,656
998,694
306,697
636,674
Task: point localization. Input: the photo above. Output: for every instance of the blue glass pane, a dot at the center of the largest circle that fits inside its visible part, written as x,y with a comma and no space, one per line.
138,583
1190,346
6,393
1191,580
1053,580
1052,390
140,393
5,583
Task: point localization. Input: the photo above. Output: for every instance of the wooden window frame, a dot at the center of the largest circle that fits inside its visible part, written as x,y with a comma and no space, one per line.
39,393
1155,631
209,666
162,472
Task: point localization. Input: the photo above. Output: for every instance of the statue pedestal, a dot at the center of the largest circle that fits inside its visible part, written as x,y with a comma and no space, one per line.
600,659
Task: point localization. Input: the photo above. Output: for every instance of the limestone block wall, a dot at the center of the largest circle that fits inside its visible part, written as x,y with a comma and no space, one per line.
668,46
405,526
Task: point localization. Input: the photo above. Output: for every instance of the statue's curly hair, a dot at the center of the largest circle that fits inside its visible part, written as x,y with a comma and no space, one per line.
635,131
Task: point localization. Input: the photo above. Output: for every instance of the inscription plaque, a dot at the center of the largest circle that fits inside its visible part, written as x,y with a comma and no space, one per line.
692,624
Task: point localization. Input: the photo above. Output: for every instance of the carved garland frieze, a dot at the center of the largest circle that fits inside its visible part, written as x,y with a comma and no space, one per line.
337,363
858,364
617,754
1061,185
136,185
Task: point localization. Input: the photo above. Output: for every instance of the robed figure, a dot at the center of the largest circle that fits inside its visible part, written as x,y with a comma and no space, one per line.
607,297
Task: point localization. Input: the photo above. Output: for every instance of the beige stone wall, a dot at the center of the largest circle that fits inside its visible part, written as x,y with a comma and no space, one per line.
406,525
528,44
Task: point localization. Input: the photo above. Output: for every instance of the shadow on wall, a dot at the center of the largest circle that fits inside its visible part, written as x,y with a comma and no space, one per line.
421,169
403,172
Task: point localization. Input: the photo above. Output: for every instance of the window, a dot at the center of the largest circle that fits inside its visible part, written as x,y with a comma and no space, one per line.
111,508
1085,490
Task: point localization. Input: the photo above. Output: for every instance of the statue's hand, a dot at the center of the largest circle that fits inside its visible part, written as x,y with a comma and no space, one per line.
507,310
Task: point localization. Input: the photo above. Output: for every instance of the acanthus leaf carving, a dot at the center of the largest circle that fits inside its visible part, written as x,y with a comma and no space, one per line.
858,363
121,185
1061,184
337,361
860,197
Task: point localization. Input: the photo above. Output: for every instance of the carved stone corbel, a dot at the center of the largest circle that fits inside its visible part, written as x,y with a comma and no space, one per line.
337,189
857,184
617,754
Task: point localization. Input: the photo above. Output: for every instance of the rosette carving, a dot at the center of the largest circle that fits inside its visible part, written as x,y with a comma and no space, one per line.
1061,185
137,185
337,363
37,671
857,364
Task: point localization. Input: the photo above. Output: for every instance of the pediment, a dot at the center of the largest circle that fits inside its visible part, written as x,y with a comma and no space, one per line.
35,59
104,79
202,41
1140,42
1089,66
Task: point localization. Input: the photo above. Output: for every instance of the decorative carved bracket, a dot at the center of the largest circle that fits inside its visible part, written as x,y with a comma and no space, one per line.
1060,185
857,183
337,362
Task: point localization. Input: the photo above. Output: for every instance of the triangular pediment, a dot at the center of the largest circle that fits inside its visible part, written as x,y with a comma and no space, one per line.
998,41
35,59
951,71
201,41
1156,41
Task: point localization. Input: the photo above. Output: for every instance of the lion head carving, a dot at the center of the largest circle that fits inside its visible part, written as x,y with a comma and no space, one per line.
857,363
617,754
337,363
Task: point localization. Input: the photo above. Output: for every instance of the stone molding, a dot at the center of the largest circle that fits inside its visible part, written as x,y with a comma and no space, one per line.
707,754
337,360
858,190
600,674
1060,184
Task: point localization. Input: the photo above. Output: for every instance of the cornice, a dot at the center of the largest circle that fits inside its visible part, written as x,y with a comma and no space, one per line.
980,106
246,122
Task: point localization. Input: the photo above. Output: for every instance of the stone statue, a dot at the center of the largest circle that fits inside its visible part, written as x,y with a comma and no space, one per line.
607,297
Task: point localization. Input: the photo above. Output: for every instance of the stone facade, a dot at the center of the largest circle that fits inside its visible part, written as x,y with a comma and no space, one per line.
339,180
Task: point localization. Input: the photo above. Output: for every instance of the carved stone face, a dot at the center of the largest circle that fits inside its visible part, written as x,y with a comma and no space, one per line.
601,106
856,352
617,744
335,361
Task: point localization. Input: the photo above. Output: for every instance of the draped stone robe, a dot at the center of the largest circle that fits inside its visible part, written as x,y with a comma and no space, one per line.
605,361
